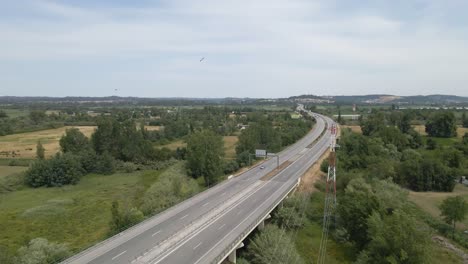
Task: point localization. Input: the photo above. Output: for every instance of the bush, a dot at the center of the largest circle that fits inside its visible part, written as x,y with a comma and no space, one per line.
60,170
324,166
231,166
40,251
125,218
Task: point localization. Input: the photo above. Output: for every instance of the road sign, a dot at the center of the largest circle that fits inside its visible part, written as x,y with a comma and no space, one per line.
260,153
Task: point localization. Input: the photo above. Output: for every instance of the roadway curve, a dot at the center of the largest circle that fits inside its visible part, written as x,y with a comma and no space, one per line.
202,229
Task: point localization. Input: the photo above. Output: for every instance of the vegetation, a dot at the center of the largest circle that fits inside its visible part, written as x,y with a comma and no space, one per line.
40,151
442,124
454,210
39,250
205,151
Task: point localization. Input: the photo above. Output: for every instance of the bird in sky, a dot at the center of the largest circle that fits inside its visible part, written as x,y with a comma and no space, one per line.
202,59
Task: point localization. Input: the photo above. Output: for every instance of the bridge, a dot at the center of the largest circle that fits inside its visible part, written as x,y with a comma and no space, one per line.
211,226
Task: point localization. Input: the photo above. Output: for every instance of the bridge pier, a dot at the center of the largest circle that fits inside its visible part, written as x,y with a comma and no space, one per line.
261,225
233,256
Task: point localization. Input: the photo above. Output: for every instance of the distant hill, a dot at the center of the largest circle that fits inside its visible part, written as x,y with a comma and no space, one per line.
384,99
436,99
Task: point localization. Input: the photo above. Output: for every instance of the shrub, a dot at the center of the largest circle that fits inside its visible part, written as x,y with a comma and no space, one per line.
60,170
39,251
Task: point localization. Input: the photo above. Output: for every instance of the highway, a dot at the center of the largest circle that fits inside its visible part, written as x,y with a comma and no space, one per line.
203,228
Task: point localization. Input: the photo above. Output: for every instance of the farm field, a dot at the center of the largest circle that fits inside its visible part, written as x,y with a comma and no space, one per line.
421,129
23,145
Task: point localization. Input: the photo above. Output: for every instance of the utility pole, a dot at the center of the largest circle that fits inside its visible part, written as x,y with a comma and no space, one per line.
330,196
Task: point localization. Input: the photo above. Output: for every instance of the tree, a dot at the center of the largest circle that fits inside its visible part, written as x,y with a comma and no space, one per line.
205,151
37,116
464,120
273,246
41,251
442,124
454,209
395,238
355,207
74,141
40,151
373,123
431,144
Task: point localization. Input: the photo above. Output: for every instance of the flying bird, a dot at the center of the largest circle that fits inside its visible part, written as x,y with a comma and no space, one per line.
202,59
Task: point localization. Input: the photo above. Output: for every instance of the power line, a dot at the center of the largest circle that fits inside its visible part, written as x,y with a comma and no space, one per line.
330,197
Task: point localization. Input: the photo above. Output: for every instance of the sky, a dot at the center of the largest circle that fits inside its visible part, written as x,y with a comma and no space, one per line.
251,48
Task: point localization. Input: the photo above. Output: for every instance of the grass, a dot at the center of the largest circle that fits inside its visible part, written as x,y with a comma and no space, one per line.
12,113
8,170
430,201
308,245
77,215
355,129
23,145
229,146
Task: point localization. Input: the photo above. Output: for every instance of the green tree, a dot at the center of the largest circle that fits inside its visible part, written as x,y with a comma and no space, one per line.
37,116
357,204
395,238
454,210
464,120
442,124
373,123
205,152
431,144
40,151
41,251
273,246
74,141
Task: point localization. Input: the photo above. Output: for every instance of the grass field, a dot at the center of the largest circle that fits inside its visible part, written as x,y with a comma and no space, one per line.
421,129
24,144
356,129
230,146
77,215
8,170
308,243
430,201
12,113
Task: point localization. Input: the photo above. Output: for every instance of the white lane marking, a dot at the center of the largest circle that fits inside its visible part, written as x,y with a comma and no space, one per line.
221,226
119,255
183,217
205,204
156,233
197,245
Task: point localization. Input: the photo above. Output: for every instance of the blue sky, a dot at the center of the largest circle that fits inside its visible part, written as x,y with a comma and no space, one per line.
252,48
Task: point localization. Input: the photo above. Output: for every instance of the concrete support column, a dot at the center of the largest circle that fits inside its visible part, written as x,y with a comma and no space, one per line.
261,225
233,256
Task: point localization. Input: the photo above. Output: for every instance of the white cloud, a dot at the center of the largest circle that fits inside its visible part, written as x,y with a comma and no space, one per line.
251,44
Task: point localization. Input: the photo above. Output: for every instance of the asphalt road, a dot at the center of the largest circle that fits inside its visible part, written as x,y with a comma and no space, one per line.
200,228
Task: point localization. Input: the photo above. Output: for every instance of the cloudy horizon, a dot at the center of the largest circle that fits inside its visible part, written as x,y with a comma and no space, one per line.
257,48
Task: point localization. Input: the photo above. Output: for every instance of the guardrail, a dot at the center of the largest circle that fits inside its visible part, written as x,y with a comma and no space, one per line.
234,244
149,219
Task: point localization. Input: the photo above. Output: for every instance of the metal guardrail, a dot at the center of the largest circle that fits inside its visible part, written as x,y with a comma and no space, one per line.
230,247
234,244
